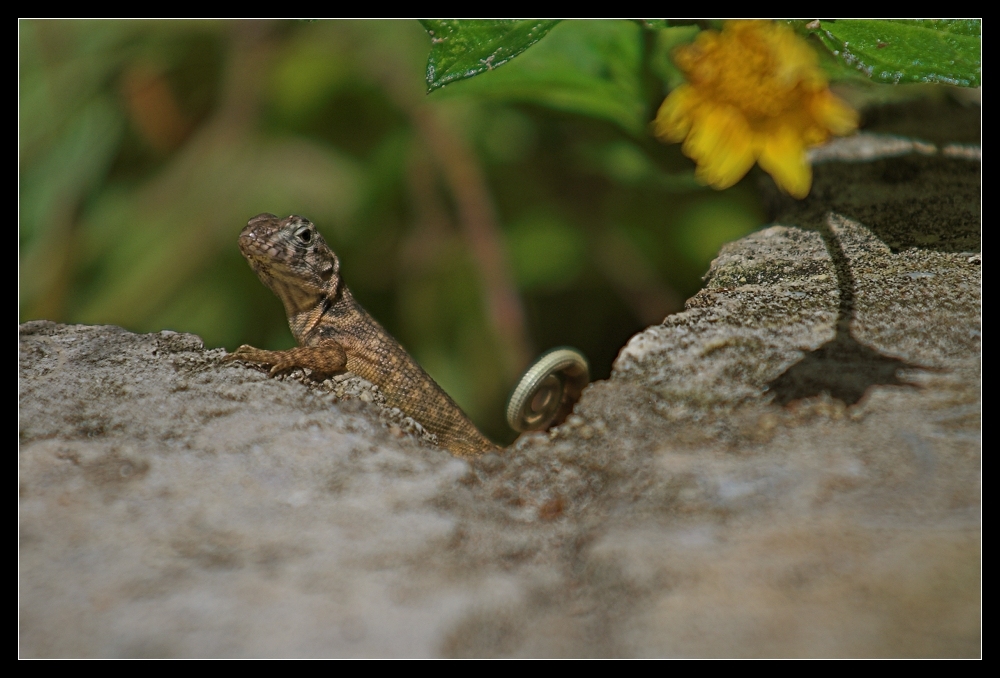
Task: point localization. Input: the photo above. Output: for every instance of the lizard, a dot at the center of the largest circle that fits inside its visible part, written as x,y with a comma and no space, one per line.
334,332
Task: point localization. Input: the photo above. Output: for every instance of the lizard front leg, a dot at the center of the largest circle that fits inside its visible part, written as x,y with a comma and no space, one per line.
327,359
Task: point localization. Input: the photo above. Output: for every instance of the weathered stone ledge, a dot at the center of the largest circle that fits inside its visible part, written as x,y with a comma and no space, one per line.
789,467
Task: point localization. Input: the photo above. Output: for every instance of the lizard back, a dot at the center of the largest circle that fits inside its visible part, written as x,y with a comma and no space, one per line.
292,259
373,354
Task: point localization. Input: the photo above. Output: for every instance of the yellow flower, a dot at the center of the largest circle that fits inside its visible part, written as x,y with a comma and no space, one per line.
754,94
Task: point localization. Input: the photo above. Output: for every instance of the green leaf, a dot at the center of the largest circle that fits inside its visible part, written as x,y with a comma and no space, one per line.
463,48
938,51
592,68
972,27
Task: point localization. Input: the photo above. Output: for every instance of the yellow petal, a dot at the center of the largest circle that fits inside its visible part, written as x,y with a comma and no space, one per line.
784,157
721,142
755,92
834,114
809,131
673,120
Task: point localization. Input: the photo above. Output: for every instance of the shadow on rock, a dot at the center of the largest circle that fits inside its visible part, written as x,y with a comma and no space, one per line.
930,202
843,367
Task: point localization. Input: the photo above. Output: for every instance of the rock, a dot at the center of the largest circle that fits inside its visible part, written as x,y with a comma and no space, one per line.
789,467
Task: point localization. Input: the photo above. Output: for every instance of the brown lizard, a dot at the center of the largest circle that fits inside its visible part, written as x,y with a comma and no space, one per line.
335,333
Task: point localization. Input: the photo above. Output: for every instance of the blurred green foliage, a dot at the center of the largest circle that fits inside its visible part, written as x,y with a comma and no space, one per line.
590,68
145,146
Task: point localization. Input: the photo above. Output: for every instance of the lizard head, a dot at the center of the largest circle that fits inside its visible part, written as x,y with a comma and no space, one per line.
291,257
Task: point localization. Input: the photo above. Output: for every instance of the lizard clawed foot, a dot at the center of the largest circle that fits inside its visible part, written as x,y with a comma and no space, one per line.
247,353
279,362
321,360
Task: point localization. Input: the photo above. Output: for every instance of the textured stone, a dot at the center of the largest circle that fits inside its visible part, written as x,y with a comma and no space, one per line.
789,467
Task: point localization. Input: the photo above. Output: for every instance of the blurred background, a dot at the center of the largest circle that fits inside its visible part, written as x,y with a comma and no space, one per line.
481,224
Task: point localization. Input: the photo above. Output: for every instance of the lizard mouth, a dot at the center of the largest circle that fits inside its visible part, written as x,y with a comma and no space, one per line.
255,251
263,250
289,257
274,262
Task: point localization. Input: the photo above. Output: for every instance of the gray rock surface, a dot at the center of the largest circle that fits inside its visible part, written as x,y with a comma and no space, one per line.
789,467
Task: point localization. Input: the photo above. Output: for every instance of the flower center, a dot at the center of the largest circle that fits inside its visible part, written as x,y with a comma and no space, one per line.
758,67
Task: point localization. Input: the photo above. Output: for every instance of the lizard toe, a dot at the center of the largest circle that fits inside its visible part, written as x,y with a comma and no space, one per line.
280,368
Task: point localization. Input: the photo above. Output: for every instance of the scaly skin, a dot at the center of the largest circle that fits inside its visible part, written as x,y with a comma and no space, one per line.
335,333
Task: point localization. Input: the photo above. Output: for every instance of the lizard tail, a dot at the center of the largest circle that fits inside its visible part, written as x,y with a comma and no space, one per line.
548,390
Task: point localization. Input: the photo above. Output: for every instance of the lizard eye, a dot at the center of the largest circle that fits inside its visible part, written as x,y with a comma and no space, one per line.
304,235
